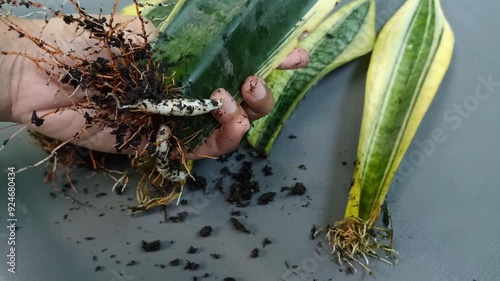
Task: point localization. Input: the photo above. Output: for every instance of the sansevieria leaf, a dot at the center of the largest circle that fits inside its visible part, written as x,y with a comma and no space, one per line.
409,60
347,34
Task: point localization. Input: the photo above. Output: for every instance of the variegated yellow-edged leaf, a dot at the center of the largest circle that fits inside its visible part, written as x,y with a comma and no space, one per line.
347,34
409,61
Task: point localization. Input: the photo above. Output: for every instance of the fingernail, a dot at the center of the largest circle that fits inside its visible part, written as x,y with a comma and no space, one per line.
230,106
260,89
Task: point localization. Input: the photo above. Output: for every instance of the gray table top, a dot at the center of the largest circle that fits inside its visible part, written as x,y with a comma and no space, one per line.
444,208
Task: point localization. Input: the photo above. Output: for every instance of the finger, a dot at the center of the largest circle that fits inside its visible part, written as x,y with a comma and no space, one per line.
67,124
298,58
258,100
234,124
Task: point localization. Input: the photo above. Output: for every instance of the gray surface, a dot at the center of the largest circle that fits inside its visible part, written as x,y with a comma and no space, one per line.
444,208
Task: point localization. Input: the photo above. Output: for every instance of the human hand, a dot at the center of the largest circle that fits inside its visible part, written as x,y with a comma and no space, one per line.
27,89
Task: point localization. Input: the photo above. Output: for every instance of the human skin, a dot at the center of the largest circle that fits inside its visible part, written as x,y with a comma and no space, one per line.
24,88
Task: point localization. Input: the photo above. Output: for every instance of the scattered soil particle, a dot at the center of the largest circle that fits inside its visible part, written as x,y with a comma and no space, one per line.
191,266
235,213
151,246
175,262
132,263
94,258
225,171
89,238
180,217
219,186
344,163
101,194
266,242
240,157
298,189
246,172
101,215
52,194
229,279
104,250
267,170
192,250
37,121
184,202
312,232
245,186
119,190
302,167
85,190
195,278
285,188
65,216
290,266
225,157
265,198
99,268
199,183
215,256
237,225
69,185
206,231
255,253
292,137
112,256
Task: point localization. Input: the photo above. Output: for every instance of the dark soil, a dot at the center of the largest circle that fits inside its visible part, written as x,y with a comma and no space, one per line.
219,186
298,189
266,198
151,246
192,250
35,120
132,263
267,170
244,187
180,217
175,262
101,194
240,157
215,256
199,183
225,171
191,266
206,231
266,242
312,232
255,253
99,268
235,213
237,225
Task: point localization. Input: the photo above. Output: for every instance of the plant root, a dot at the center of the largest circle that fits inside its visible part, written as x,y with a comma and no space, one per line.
354,241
